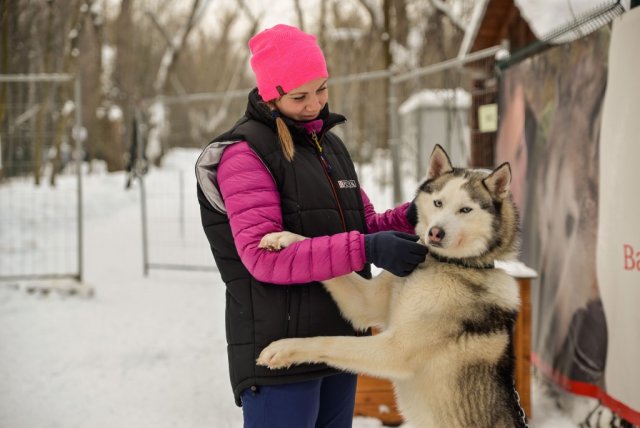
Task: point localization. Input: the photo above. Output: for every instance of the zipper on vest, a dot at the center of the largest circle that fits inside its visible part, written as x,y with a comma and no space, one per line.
319,150
326,167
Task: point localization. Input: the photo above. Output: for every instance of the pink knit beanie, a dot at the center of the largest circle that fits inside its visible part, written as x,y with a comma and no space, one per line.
287,57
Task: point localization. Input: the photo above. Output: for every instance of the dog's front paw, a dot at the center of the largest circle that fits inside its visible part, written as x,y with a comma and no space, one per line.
270,242
276,241
279,354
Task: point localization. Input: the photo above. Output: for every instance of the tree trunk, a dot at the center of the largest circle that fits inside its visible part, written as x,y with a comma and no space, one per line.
40,123
167,65
65,93
124,79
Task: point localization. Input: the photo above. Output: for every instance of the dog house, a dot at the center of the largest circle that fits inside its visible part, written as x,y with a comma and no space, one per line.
436,116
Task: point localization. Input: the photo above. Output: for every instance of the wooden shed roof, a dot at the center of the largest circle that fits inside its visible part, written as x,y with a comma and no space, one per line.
502,20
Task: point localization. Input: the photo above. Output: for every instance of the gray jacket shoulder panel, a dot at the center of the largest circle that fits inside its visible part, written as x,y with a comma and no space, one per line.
207,170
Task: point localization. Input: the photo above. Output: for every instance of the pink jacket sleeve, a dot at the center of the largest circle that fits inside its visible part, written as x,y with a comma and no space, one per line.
393,219
253,207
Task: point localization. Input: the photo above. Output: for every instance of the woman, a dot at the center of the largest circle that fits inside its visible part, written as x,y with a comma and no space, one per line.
281,168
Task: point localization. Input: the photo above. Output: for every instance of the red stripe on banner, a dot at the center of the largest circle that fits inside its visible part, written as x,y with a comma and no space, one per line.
588,390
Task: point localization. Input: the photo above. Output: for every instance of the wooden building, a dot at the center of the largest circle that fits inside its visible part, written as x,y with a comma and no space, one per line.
494,22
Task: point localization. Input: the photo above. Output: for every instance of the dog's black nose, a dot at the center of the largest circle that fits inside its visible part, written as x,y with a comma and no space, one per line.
436,234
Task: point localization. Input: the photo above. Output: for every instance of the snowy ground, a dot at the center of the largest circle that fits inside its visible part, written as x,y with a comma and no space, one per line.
144,351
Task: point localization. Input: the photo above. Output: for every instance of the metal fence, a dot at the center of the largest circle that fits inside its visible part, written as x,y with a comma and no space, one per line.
393,122
439,104
40,180
172,232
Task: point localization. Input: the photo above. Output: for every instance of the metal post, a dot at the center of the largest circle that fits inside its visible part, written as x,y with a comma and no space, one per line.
143,197
394,143
80,136
143,210
182,221
421,156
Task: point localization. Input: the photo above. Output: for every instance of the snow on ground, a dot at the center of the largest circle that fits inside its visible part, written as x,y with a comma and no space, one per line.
144,351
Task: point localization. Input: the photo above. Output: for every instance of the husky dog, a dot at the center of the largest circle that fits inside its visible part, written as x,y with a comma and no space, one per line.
445,336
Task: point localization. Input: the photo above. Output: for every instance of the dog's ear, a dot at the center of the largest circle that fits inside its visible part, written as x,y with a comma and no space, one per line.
499,182
439,163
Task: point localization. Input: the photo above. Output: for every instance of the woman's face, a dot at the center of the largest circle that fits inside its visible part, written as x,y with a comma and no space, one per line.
304,102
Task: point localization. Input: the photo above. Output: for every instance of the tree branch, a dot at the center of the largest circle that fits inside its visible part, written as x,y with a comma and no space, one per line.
296,3
446,10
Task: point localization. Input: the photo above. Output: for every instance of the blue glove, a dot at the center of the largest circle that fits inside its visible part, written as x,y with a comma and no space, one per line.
397,252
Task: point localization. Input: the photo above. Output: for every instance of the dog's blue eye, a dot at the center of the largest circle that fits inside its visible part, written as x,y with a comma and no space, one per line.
437,203
466,210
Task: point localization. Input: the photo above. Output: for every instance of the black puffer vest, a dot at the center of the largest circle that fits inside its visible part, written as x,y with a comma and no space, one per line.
319,196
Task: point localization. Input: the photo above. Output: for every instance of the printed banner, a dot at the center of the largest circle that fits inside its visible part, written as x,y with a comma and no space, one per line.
575,162
618,254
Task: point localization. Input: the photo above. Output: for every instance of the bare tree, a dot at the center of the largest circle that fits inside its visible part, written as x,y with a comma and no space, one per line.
57,55
4,54
205,122
158,53
299,14
70,53
173,49
445,9
38,138
156,148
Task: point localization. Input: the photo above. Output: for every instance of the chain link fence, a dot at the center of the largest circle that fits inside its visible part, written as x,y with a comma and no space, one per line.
393,123
443,104
40,180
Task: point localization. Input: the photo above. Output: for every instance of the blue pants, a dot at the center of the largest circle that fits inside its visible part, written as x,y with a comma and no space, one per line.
322,403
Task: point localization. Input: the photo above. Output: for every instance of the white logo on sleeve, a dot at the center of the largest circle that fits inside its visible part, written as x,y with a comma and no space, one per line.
347,184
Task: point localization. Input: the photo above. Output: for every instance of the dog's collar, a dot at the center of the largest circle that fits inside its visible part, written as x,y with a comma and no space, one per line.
462,262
